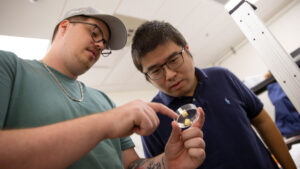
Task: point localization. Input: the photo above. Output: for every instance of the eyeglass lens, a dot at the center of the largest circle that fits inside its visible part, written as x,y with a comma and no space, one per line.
97,36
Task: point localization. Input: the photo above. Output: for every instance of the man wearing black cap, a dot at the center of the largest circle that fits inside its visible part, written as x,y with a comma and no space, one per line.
51,120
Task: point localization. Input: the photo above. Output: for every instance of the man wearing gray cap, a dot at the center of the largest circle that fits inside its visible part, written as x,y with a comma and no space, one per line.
48,119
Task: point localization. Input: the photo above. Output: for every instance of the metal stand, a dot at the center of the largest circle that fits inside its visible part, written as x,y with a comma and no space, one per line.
279,62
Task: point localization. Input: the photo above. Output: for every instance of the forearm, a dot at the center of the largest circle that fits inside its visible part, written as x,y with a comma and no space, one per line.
275,143
61,144
274,140
52,146
158,162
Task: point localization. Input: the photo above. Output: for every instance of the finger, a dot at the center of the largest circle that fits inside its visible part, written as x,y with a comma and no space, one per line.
175,134
145,124
192,132
144,129
194,143
145,111
200,121
152,115
197,153
162,109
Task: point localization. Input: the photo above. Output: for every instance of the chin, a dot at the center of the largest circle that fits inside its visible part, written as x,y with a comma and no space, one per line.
88,63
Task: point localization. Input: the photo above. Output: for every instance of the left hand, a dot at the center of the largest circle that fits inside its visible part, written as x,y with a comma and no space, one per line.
186,149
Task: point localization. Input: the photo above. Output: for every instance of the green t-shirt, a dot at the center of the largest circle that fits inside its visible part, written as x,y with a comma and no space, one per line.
30,97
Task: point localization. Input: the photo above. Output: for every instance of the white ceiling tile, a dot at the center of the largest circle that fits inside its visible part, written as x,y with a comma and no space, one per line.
144,9
174,11
103,5
26,19
215,41
267,8
199,18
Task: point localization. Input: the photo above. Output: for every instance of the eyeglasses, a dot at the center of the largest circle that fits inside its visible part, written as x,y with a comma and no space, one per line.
97,36
174,62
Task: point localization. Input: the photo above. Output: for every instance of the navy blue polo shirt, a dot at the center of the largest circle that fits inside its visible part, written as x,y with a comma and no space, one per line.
231,143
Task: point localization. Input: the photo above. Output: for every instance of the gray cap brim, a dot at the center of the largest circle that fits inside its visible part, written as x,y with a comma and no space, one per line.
118,32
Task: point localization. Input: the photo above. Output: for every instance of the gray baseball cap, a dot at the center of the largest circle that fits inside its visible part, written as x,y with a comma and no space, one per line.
118,33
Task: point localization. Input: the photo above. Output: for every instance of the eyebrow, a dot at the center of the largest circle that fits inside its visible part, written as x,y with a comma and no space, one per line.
157,65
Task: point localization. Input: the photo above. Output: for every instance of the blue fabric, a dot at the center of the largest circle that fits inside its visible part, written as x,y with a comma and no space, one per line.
286,116
231,143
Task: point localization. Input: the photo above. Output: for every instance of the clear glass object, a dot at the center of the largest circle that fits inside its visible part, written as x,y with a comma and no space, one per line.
187,115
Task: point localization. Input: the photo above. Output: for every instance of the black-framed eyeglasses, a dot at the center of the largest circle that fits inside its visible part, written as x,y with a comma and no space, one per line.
173,63
97,36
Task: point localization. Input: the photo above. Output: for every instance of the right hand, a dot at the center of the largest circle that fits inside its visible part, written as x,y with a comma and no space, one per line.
136,117
186,149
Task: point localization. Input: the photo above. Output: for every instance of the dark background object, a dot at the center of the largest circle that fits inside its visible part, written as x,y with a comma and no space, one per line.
262,86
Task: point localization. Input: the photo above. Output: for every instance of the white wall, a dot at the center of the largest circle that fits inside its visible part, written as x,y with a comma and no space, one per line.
246,62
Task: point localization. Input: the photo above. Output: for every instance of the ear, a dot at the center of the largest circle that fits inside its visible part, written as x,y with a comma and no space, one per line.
187,47
63,26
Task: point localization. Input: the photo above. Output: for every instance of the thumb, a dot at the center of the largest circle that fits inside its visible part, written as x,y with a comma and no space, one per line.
175,134
201,118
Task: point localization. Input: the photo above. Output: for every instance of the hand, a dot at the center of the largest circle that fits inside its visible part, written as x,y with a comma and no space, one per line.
136,117
186,149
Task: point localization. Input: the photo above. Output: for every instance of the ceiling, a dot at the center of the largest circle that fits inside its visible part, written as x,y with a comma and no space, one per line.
208,28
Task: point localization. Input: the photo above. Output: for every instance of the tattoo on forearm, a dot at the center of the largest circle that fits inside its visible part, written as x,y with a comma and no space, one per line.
163,160
153,165
148,164
137,164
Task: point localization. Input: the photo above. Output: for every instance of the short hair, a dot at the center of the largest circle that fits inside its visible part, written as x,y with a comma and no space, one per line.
79,17
151,34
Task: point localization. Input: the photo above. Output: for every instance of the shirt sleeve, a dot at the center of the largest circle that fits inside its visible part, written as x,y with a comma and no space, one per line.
126,143
252,105
8,62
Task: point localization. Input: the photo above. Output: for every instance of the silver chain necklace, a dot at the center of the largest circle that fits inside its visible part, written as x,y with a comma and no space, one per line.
63,89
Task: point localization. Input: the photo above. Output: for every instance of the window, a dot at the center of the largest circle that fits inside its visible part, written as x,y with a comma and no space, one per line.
26,48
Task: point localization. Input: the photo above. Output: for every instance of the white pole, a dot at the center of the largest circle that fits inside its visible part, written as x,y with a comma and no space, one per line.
279,62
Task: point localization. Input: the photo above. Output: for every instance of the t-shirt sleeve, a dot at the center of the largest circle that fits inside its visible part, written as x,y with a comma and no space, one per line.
252,105
126,143
8,63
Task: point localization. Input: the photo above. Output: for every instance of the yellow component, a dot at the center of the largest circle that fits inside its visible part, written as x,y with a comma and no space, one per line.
187,122
184,113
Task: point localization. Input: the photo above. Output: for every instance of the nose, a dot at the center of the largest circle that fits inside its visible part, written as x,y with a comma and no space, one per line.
169,73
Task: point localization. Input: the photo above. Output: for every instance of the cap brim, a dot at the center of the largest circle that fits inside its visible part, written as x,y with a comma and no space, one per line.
118,32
